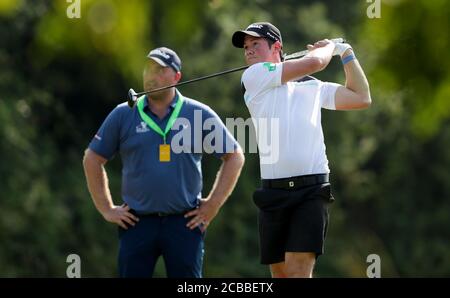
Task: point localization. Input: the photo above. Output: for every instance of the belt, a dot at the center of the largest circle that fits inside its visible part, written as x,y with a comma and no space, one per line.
295,182
156,214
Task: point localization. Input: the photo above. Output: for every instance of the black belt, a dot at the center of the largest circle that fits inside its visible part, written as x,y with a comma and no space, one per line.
156,214
295,182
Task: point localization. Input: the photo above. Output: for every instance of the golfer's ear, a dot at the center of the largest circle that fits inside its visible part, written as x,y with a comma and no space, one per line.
178,76
277,45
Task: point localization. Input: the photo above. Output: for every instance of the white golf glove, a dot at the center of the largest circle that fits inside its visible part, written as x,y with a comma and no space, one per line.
340,48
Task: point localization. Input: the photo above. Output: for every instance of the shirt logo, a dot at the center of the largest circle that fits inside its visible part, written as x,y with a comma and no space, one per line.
270,66
141,128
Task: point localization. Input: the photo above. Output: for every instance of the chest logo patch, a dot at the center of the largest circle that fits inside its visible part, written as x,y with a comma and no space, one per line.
141,128
270,66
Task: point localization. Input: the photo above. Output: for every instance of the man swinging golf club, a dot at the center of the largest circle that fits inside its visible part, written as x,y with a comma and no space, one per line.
295,194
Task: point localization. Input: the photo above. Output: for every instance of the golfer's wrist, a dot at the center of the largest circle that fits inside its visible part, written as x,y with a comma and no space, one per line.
347,52
341,48
347,57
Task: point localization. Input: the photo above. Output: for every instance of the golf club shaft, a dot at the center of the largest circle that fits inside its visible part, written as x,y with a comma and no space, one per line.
287,57
193,80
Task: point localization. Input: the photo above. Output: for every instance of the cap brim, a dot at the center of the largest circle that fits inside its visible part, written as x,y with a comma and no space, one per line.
239,36
159,61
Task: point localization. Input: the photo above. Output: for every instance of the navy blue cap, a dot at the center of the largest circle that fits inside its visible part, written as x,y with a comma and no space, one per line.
260,29
166,57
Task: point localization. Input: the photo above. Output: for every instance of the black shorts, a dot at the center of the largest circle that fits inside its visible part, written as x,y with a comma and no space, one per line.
292,220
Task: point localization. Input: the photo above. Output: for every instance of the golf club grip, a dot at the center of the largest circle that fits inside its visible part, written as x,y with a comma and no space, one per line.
304,52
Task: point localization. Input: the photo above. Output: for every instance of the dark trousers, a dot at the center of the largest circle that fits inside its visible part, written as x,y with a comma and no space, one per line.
153,236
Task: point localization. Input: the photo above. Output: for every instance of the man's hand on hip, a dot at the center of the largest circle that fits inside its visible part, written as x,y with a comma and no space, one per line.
203,215
121,216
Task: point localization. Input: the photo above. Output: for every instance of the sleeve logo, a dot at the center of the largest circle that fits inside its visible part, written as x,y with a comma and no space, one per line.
270,66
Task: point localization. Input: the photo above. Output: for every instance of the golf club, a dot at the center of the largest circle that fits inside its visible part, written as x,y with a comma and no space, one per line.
133,95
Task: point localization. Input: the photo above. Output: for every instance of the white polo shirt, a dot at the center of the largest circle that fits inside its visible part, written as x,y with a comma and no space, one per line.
287,120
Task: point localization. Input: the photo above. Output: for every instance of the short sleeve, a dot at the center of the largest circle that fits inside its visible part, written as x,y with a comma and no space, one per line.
259,78
327,95
106,140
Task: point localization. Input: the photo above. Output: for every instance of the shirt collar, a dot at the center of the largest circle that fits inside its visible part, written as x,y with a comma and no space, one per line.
172,104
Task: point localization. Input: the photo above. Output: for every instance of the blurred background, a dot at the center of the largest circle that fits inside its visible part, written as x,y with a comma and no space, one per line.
61,76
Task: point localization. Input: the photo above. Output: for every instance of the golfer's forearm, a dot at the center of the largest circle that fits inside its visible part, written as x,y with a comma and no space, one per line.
97,182
226,178
355,79
316,60
323,55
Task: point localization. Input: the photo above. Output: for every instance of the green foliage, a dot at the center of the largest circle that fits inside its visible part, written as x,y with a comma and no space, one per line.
60,77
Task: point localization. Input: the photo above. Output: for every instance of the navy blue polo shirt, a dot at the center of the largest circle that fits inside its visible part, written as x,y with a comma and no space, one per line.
149,185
